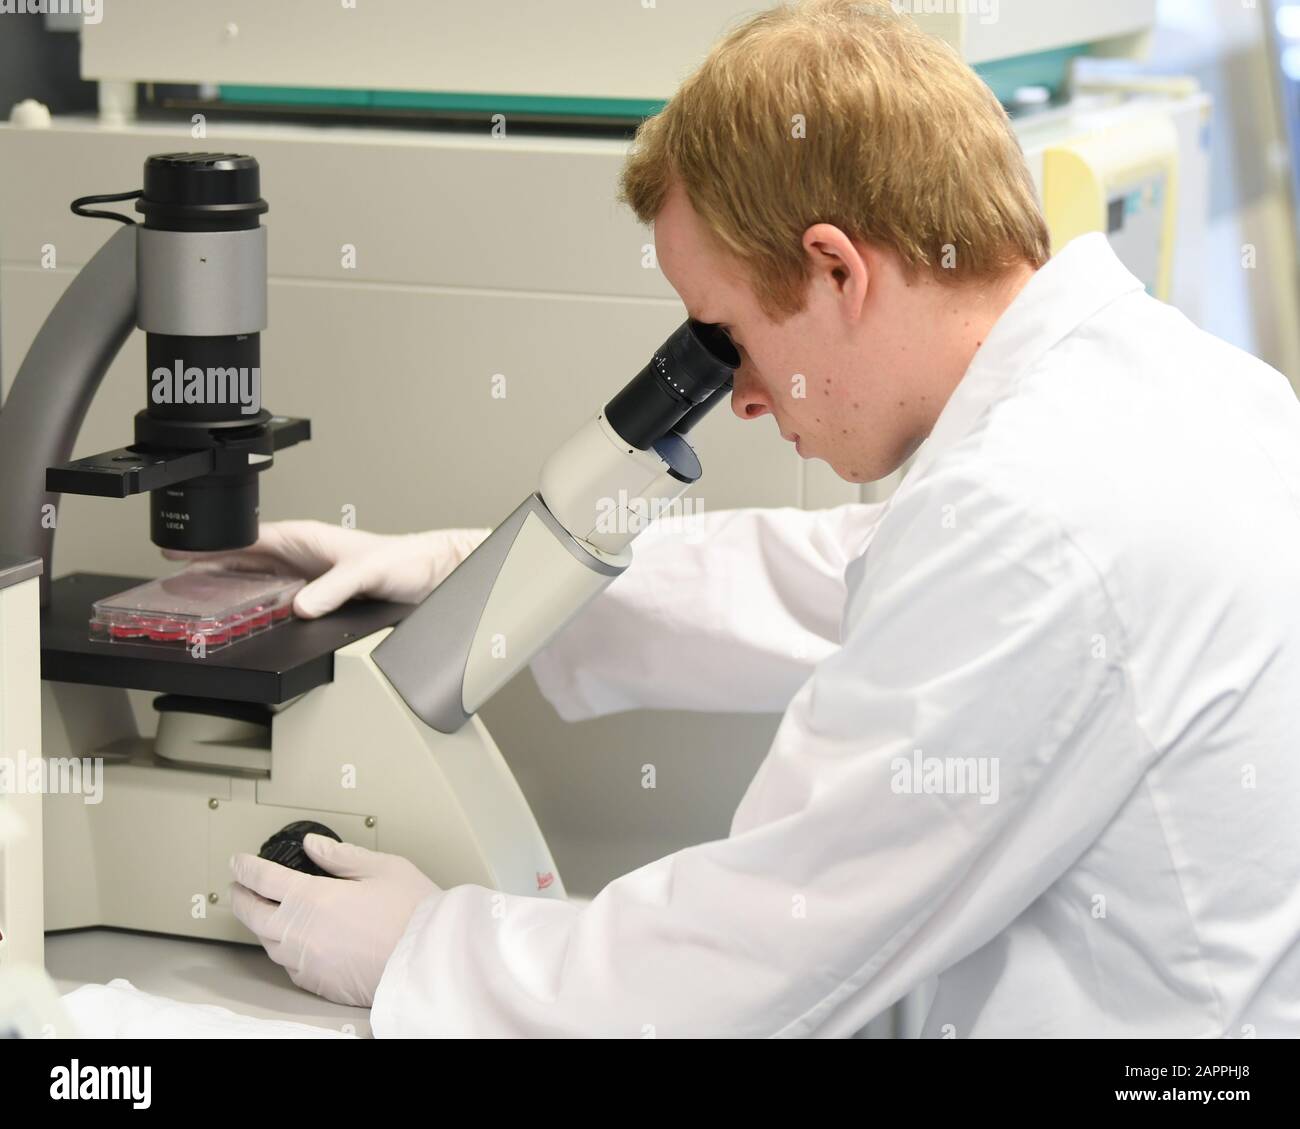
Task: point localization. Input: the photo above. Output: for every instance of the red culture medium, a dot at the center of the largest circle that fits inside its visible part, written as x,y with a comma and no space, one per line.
198,607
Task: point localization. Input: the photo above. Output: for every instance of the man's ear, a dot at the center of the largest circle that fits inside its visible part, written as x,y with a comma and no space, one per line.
838,264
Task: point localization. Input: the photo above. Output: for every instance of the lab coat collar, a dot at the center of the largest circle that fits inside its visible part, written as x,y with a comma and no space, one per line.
1077,282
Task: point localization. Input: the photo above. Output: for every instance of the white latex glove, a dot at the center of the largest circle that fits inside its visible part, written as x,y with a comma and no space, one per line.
342,563
332,935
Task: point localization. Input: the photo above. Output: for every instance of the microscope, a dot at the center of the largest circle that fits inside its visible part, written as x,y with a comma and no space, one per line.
361,724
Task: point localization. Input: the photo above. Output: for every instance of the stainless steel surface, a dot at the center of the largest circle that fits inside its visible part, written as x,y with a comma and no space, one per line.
15,568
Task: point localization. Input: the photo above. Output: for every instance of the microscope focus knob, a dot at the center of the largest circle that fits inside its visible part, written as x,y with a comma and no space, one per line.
285,846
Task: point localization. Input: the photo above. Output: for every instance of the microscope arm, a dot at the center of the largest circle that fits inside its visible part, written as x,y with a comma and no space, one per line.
53,390
564,544
553,555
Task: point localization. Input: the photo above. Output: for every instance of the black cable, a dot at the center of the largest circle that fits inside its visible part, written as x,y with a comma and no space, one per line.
79,209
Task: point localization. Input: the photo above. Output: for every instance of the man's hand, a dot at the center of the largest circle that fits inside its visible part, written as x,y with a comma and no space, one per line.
341,563
333,935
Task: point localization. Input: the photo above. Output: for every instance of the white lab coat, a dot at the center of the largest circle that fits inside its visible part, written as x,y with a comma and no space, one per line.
1088,582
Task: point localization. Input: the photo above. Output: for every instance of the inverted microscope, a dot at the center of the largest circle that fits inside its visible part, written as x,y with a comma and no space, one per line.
363,723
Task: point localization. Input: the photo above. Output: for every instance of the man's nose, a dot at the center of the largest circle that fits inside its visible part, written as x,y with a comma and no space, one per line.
748,399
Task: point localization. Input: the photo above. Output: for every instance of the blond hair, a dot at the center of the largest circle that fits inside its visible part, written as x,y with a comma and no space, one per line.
901,146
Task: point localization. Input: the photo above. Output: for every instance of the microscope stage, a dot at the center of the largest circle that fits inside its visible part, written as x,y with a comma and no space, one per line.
269,668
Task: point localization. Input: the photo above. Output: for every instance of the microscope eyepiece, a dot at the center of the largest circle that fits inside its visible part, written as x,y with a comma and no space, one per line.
714,341
688,374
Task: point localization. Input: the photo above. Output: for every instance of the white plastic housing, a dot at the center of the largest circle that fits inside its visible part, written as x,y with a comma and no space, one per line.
603,490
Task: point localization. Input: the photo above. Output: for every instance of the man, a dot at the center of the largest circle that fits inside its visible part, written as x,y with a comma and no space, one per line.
1040,708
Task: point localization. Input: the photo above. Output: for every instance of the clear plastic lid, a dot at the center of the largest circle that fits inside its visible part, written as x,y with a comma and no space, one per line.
216,607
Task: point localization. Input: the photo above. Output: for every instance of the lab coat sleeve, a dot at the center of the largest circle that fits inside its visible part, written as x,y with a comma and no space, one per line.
718,611
981,640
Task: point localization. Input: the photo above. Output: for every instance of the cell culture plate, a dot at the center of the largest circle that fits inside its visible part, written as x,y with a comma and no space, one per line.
215,606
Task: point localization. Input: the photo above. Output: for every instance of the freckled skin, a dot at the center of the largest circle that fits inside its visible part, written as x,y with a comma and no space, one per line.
868,330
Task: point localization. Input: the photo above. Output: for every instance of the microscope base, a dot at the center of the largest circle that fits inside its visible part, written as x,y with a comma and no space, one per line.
153,854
